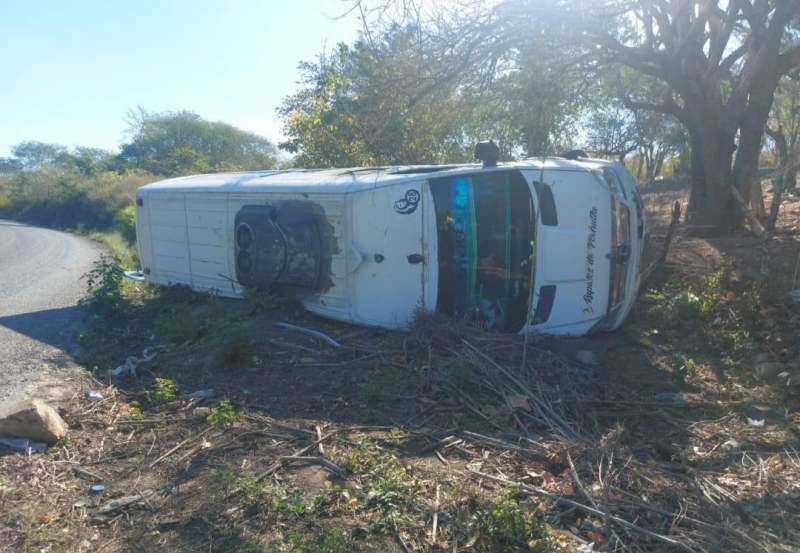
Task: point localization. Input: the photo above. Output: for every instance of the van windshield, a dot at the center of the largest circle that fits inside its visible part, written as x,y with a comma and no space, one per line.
486,230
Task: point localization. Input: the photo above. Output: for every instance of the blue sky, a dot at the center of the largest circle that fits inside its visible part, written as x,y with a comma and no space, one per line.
72,70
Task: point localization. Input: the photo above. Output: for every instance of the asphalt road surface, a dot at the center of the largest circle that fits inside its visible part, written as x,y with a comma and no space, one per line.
40,285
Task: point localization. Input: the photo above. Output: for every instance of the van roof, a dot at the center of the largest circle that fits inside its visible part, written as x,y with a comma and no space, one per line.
346,180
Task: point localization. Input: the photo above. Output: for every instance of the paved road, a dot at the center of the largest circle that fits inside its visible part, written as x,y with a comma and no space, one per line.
40,286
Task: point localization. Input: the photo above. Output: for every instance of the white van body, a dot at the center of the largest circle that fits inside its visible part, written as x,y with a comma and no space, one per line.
386,242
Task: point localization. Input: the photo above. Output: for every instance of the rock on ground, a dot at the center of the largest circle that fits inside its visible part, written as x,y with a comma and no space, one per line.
33,419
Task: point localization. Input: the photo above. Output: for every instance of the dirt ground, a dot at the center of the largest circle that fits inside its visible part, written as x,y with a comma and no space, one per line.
678,432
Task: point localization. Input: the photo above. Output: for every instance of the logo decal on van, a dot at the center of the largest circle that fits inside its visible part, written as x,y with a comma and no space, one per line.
591,244
408,204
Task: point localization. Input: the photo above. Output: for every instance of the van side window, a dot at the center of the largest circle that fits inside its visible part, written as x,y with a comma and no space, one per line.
547,204
485,229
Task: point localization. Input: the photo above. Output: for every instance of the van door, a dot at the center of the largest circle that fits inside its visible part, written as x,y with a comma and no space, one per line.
388,284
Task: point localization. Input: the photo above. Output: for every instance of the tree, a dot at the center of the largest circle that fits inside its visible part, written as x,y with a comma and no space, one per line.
32,155
88,161
658,137
784,131
612,131
721,63
175,143
9,165
546,87
387,100
718,61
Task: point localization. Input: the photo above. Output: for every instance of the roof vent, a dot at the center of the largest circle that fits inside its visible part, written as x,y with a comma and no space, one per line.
488,153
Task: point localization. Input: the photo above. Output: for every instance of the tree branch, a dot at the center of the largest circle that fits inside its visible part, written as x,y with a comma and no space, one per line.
668,106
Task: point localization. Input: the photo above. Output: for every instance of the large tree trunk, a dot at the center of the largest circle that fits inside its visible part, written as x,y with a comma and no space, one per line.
745,168
711,205
659,162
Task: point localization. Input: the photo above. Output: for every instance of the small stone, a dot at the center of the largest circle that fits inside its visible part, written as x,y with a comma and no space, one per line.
33,419
201,411
96,489
94,396
586,357
730,444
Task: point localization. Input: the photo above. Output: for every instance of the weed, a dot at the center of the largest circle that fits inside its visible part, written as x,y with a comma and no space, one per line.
163,390
275,501
223,414
504,526
390,487
120,247
135,410
104,285
689,369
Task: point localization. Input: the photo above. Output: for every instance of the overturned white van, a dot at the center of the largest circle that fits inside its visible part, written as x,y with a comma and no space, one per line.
550,245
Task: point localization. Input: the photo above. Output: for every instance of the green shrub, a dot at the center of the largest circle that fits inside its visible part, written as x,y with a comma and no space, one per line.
390,488
223,414
104,283
163,390
504,526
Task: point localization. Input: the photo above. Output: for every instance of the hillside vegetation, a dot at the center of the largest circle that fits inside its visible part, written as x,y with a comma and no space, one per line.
90,190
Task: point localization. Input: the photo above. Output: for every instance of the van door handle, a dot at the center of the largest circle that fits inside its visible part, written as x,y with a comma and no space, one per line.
415,258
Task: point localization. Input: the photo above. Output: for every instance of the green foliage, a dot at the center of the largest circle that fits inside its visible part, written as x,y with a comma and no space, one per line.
62,197
179,143
504,526
135,410
124,222
675,305
119,247
365,105
223,414
277,502
390,487
104,283
34,155
163,390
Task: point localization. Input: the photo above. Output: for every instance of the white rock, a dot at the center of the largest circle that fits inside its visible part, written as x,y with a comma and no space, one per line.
33,419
